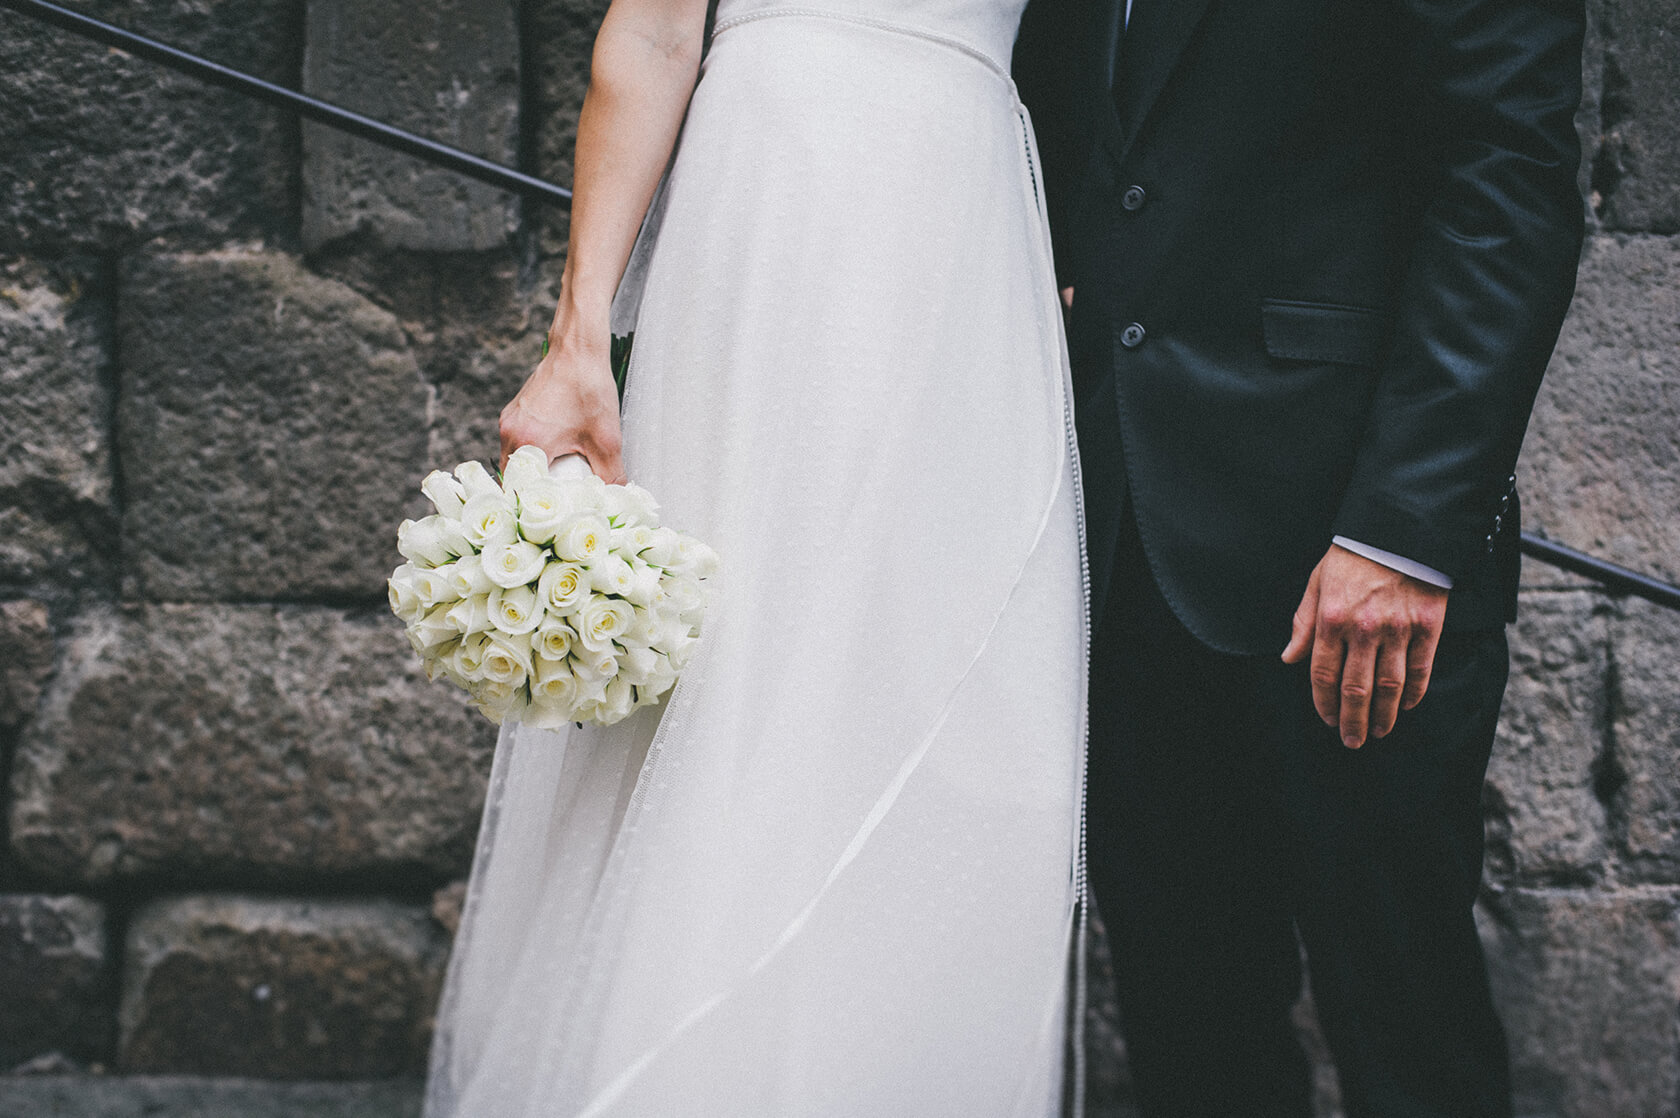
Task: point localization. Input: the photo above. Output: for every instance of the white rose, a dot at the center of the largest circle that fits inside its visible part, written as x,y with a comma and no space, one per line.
630,542
468,578
629,505
431,629
436,587
693,558
476,480
645,629
513,564
644,587
663,548
495,700
620,700
640,666
488,519
525,464
682,594
553,684
543,509
471,615
506,659
548,714
706,561
593,670
602,619
403,594
562,586
515,610
445,493
468,657
611,575
582,540
553,639
450,535
421,543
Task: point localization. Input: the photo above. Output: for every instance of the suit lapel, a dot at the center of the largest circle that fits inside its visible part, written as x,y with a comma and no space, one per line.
1157,34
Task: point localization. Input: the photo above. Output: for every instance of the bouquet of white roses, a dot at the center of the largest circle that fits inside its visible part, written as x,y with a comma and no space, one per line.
550,596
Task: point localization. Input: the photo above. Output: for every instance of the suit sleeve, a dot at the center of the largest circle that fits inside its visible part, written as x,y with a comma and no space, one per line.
1492,270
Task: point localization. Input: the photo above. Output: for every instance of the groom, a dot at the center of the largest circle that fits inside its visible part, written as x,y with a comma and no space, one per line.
1318,256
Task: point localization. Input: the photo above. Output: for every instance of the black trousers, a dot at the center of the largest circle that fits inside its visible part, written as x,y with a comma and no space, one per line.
1225,818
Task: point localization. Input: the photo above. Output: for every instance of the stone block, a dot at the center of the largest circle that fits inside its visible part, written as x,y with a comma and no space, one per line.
56,519
474,327
447,70
1636,170
247,743
562,40
279,988
1587,984
272,427
187,1096
1546,818
105,150
26,659
1600,469
1645,647
53,969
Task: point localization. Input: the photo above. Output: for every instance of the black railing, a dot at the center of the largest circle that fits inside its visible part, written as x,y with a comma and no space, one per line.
306,106
1615,579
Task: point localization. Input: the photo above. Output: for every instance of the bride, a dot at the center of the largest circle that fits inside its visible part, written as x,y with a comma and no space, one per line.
838,871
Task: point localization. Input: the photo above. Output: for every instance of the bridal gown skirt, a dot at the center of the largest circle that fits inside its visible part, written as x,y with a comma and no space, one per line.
836,873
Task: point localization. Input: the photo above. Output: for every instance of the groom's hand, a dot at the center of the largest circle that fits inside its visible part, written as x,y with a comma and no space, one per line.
1371,633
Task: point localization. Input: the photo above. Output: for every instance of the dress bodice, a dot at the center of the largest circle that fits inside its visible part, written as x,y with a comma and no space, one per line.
985,26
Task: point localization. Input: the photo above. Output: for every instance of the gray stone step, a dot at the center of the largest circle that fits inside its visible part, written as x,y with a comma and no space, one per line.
99,1096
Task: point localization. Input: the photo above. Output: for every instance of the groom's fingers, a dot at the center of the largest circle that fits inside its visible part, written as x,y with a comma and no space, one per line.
1420,660
1358,682
1328,653
1392,673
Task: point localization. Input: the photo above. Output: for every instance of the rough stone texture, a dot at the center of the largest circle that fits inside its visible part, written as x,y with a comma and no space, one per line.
104,150
160,1096
1546,821
272,426
26,657
1636,170
279,989
1645,646
1600,469
250,743
562,37
1588,984
474,327
53,969
56,518
447,70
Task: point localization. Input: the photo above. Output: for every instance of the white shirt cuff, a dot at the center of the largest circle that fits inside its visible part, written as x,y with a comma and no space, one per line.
1395,562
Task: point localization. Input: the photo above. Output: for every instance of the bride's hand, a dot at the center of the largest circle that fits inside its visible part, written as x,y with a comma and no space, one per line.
569,404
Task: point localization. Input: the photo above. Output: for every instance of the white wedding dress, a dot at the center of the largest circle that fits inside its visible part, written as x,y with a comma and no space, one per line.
836,874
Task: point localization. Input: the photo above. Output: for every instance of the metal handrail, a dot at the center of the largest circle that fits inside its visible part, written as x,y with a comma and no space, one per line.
313,108
1615,579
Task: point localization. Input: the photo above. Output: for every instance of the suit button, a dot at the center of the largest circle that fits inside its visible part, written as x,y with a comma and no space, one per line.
1132,336
1134,198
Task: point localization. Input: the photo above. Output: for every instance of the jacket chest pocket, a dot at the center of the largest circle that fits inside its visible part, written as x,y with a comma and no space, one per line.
1324,333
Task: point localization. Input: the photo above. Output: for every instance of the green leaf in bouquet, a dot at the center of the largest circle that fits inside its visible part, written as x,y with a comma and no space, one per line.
621,359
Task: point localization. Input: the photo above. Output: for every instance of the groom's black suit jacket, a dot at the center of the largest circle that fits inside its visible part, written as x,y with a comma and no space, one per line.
1321,251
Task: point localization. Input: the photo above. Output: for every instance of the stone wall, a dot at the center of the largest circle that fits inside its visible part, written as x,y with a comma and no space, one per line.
237,816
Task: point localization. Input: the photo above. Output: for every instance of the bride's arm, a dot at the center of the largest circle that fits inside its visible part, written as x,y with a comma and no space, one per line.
645,63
